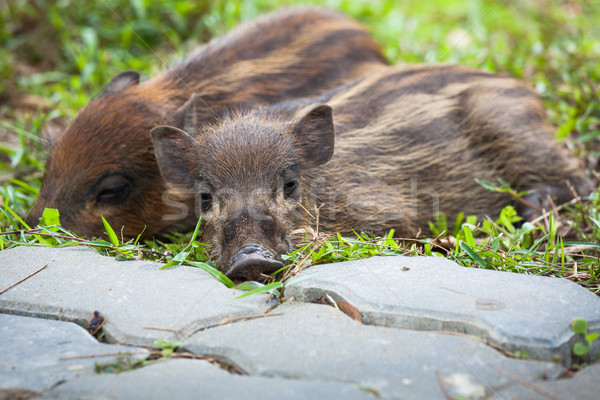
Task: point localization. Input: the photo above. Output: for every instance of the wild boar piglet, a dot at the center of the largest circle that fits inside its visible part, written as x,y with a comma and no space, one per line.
104,165
410,141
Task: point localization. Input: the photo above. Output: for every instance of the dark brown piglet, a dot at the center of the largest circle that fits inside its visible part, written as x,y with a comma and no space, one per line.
410,142
104,164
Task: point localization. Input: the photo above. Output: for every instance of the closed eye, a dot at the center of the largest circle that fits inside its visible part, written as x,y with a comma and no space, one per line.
113,189
112,193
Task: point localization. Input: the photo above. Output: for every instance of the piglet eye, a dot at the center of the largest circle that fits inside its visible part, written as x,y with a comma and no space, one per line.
205,201
113,189
112,193
290,187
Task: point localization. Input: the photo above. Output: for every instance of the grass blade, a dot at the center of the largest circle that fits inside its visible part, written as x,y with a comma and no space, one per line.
112,236
474,256
264,289
221,277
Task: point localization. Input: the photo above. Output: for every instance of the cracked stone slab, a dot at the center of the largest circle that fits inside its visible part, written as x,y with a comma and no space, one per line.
133,295
31,350
196,379
516,311
585,385
309,341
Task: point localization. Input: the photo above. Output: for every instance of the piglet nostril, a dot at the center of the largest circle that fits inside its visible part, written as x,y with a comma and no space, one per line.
251,249
251,263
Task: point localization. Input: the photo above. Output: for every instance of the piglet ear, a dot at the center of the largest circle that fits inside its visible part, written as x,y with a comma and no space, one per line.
314,136
121,81
53,129
193,113
187,115
172,149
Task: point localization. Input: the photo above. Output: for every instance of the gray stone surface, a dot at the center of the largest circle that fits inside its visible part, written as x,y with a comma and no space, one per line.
516,311
133,295
31,350
301,350
585,385
195,379
317,342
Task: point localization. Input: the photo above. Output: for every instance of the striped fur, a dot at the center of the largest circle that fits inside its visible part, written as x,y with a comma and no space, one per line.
410,141
104,163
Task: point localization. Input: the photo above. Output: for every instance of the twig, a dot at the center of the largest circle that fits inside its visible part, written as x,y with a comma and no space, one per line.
117,353
544,214
304,259
97,328
271,308
227,321
438,236
526,203
318,215
578,198
528,385
27,277
35,232
445,391
179,331
552,205
299,267
194,357
296,268
152,352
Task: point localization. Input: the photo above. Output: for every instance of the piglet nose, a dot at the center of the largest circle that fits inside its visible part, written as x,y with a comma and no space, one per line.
251,263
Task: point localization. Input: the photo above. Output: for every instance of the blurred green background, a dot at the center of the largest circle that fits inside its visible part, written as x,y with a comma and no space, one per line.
55,55
65,50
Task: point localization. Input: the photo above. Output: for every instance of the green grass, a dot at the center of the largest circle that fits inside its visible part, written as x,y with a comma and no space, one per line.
582,349
57,55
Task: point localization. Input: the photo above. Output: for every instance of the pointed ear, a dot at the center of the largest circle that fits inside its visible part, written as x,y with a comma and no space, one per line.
192,114
172,149
53,130
314,136
187,115
121,81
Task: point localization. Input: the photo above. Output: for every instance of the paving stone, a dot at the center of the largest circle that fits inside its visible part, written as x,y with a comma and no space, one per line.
309,341
516,311
585,385
31,350
133,295
195,379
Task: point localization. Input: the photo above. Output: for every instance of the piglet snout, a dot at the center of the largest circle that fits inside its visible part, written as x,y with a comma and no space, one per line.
252,263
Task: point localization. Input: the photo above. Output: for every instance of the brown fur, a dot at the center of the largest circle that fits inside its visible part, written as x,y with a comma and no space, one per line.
409,142
104,163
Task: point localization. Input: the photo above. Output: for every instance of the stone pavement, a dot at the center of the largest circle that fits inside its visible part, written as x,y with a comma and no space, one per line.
431,330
